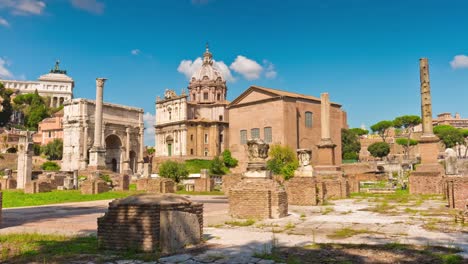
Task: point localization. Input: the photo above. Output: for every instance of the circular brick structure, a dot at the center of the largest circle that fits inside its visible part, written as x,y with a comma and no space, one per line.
151,223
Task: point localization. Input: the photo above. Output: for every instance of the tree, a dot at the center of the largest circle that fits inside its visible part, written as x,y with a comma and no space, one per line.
173,170
50,166
407,123
406,144
217,166
283,161
382,128
379,149
228,160
5,105
359,131
350,143
34,108
53,150
449,135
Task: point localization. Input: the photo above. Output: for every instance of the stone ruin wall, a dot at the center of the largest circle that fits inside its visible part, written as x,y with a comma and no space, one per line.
204,185
94,187
229,181
158,185
426,182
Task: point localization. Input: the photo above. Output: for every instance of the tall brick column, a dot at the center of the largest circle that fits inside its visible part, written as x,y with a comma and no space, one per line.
427,179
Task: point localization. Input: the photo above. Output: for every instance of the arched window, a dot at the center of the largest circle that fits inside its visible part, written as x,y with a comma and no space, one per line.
308,119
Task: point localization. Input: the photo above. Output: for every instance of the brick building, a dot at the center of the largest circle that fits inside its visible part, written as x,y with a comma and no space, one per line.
49,129
280,117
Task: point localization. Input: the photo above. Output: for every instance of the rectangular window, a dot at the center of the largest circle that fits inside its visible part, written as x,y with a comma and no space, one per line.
243,137
206,152
267,134
205,96
206,138
308,119
255,133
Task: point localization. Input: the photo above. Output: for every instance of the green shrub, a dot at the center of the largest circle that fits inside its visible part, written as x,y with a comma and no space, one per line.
228,160
173,170
217,167
283,161
351,156
50,166
379,149
53,150
106,178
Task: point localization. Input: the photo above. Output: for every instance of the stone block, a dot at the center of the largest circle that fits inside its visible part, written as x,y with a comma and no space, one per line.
230,181
151,223
39,186
204,185
302,191
7,184
121,182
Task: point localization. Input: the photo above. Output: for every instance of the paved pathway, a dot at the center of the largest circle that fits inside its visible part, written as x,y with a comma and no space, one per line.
80,218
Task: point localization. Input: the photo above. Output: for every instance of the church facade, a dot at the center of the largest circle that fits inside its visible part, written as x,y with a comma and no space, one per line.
193,123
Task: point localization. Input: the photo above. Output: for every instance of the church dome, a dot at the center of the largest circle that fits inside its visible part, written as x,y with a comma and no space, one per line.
207,71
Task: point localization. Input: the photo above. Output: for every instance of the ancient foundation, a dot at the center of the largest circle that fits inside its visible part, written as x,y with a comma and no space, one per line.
258,199
302,191
151,223
229,181
204,185
94,186
121,182
158,185
7,184
426,182
457,192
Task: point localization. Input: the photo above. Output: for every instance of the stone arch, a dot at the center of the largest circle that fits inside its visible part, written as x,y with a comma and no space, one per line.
114,152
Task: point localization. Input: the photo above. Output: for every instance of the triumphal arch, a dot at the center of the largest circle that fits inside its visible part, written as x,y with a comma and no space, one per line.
121,132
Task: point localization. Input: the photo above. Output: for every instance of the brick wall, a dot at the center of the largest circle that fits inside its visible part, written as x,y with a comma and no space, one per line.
230,181
7,184
258,198
39,186
94,187
457,192
121,182
158,185
204,185
426,182
151,223
302,191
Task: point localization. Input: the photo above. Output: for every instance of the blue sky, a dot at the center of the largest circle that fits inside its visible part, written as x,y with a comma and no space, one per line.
365,53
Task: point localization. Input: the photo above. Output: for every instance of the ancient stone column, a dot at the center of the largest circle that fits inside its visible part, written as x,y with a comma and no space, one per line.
141,145
97,152
326,148
126,163
25,153
426,103
325,117
428,142
84,153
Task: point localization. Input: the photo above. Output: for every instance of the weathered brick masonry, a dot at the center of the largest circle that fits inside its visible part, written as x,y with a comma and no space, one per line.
94,186
457,192
158,185
230,181
151,223
426,182
258,198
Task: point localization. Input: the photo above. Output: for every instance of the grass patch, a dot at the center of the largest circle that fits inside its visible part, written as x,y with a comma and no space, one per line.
17,198
327,210
382,208
349,232
400,197
200,193
41,248
247,222
195,165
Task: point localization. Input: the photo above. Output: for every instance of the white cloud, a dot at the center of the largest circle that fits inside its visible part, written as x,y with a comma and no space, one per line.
248,68
149,120
270,71
23,7
4,72
459,61
91,6
188,67
4,23
224,70
135,52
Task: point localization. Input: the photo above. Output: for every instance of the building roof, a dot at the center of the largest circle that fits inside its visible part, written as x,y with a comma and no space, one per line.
277,92
207,71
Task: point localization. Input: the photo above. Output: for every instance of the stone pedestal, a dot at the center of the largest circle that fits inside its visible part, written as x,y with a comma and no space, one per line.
147,168
97,159
302,191
426,181
429,149
151,223
204,183
121,182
